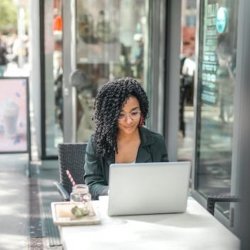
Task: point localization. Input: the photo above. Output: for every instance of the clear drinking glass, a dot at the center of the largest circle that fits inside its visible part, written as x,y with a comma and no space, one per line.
80,193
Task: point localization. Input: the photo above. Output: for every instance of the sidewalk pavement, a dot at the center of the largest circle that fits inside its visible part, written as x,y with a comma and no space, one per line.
14,209
25,213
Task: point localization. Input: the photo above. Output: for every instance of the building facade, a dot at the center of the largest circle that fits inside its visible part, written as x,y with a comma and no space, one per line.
82,44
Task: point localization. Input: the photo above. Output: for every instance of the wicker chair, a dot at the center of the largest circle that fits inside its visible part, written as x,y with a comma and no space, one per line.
71,156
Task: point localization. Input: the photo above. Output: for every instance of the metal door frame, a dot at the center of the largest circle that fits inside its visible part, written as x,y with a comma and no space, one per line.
69,65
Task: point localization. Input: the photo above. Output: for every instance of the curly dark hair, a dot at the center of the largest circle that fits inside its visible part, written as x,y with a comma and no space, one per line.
108,105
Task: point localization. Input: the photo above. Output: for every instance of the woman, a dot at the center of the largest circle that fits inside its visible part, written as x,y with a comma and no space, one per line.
121,107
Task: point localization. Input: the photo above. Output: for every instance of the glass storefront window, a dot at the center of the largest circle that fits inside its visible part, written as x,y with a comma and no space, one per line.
216,84
111,38
53,75
187,76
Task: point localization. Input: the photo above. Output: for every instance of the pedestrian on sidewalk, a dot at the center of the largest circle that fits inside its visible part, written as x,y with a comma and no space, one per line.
3,57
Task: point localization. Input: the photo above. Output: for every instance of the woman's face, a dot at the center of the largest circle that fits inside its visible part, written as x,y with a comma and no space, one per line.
129,117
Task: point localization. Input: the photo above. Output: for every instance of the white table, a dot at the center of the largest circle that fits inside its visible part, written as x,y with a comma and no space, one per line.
194,230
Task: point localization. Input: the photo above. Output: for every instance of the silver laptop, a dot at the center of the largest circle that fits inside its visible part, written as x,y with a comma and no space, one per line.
148,188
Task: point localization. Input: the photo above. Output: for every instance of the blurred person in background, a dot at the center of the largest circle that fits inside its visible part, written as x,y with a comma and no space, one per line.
3,56
187,73
225,75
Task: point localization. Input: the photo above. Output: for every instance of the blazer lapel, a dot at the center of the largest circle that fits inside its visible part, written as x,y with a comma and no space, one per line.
143,154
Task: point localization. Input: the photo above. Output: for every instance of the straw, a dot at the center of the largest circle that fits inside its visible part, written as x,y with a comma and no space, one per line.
70,178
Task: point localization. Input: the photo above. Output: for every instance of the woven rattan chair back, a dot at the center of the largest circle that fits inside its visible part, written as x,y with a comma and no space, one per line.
71,156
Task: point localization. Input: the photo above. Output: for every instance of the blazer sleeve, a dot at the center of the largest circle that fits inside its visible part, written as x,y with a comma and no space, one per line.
93,176
163,150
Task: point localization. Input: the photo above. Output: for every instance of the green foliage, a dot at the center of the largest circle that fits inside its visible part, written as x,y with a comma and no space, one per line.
8,15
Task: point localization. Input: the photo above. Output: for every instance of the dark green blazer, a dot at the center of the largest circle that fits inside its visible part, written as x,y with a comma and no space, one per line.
151,149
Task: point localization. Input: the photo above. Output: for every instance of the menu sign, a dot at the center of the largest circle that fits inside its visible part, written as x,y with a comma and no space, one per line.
14,115
209,63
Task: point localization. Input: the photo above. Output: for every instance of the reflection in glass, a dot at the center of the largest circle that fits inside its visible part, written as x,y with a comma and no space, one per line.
216,79
187,76
110,40
53,75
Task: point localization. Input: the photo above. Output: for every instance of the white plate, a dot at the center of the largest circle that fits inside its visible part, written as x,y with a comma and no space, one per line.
62,215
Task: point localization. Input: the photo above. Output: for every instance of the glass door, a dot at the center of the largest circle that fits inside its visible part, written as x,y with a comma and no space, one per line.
111,41
187,80
215,100
51,77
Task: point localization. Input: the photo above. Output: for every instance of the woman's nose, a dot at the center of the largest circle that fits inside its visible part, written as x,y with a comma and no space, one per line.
128,119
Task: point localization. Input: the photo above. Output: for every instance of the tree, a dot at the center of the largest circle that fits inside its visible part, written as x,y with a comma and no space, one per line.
8,15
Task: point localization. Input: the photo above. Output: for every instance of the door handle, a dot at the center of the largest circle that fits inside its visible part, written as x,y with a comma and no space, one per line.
66,91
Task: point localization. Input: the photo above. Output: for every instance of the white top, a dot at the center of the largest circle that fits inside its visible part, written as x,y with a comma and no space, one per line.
188,67
195,229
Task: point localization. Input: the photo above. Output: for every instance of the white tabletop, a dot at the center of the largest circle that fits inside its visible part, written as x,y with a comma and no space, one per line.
194,230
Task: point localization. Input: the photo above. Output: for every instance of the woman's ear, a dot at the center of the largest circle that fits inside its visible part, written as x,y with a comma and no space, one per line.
141,122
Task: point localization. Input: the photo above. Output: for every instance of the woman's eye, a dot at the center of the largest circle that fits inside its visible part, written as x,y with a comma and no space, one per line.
134,113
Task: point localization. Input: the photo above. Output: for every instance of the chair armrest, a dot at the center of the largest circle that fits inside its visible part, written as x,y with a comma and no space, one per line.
62,191
212,199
